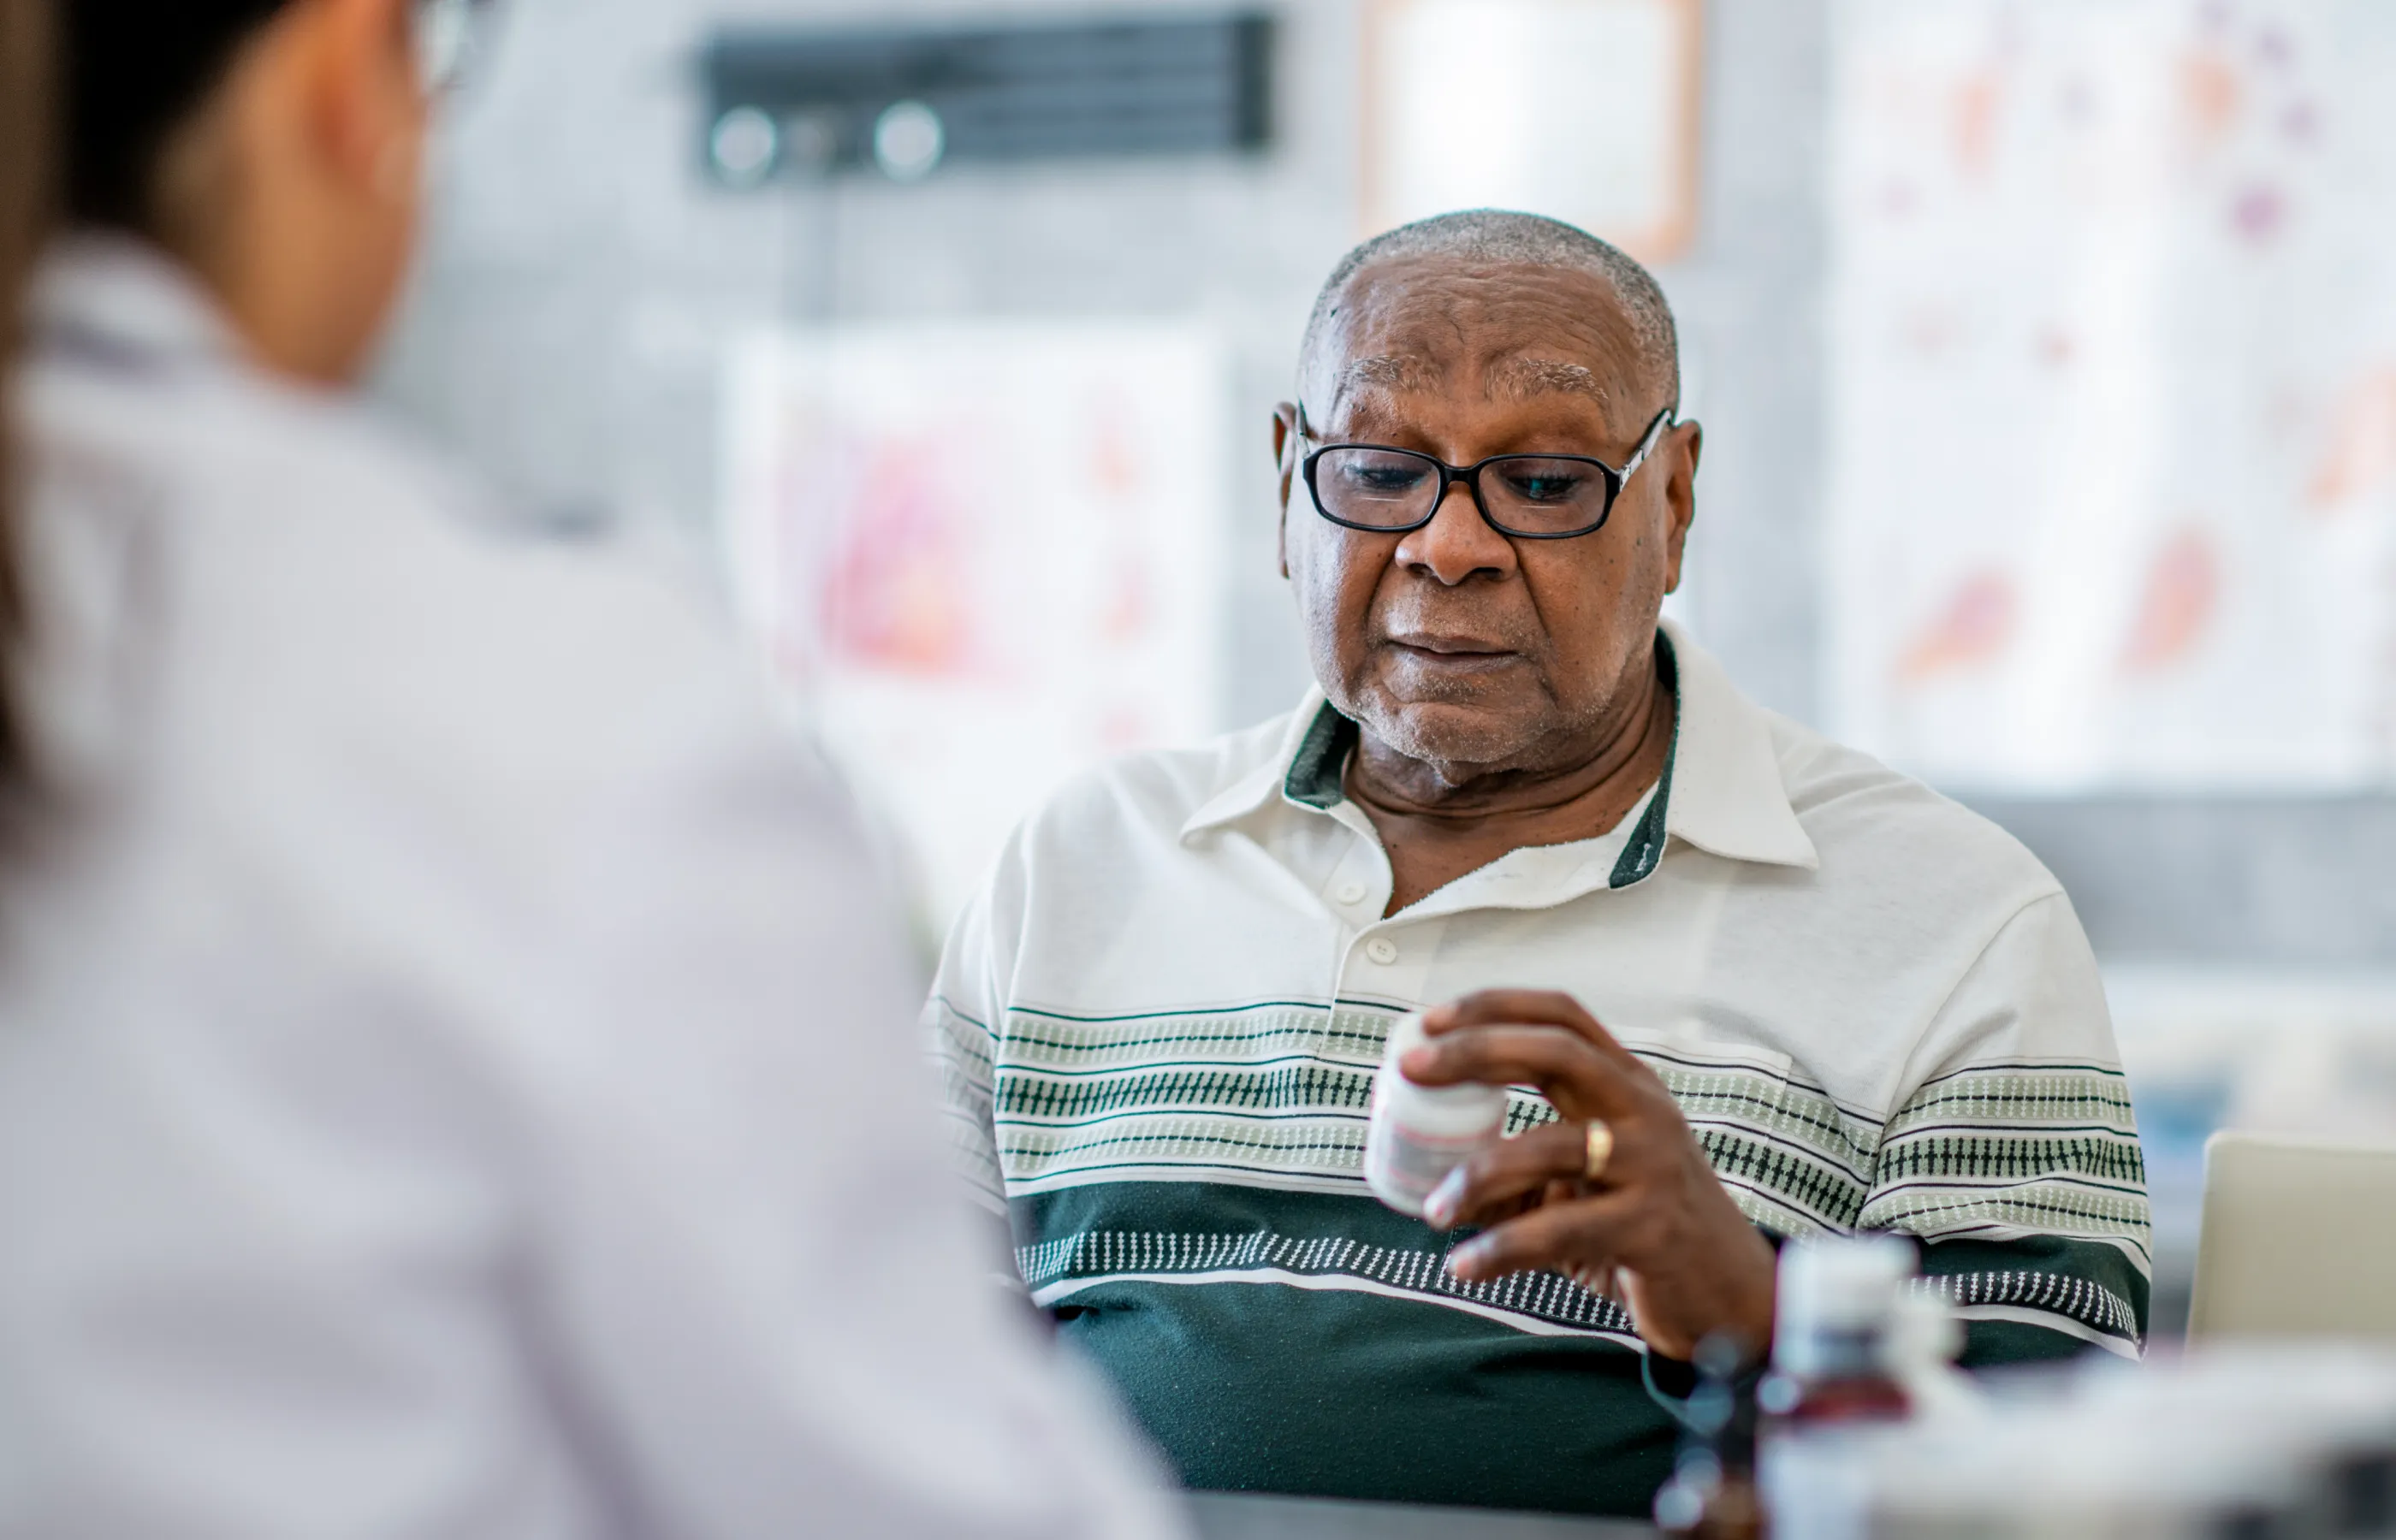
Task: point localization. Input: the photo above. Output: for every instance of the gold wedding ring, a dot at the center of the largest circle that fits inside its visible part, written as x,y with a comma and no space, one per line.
1601,1150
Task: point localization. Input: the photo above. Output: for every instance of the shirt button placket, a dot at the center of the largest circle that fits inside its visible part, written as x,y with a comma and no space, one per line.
1394,965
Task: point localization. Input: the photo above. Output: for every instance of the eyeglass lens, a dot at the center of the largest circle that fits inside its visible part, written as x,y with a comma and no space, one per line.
1390,488
444,37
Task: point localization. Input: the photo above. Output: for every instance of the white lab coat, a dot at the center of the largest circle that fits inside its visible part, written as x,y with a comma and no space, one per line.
455,1071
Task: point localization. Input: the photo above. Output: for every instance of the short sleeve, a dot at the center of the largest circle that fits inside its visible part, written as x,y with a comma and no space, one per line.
2013,1155
959,1028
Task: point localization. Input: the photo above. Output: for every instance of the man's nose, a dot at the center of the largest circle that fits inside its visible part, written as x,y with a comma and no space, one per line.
1458,543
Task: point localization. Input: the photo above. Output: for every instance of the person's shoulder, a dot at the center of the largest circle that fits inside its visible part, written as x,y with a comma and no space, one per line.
1156,790
332,589
1860,814
591,629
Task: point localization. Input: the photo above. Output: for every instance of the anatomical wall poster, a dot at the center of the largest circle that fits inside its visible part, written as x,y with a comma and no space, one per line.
984,556
2112,337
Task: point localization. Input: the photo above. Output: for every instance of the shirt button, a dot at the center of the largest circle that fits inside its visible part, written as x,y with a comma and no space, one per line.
1350,893
1381,950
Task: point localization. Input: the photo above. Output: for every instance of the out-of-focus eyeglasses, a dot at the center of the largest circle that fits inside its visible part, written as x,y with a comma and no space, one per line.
1387,490
445,34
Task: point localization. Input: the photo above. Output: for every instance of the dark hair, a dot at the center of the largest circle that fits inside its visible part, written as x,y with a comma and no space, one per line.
26,67
136,72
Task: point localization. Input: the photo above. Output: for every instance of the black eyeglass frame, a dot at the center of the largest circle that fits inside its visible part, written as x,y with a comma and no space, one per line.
1616,480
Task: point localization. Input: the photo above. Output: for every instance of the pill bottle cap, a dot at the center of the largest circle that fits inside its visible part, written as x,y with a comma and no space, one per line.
1439,1110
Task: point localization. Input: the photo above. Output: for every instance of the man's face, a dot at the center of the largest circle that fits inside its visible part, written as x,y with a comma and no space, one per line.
1454,645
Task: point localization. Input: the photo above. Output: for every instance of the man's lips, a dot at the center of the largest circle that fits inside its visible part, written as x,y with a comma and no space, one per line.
1453,655
1460,647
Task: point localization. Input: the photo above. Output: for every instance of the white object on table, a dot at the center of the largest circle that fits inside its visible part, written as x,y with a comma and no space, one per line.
2295,1240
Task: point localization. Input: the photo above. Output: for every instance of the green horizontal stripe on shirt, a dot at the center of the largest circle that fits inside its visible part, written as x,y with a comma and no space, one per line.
2052,1207
1285,1084
1198,1229
1346,1034
2104,1157
2021,1095
1804,1191
1297,1146
2092,1284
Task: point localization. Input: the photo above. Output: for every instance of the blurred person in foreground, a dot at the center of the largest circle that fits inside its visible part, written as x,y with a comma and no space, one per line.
25,165
1764,987
443,1024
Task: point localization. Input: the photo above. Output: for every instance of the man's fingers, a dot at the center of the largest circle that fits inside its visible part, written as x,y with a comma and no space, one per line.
1524,1007
1556,1238
1493,1183
1574,1074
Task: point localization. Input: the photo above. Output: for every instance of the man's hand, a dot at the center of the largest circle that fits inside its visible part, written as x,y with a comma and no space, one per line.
1658,1220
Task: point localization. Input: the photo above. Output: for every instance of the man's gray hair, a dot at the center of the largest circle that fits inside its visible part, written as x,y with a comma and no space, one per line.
1498,235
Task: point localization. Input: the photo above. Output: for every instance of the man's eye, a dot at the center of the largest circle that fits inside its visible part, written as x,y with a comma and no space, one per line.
1384,479
1545,487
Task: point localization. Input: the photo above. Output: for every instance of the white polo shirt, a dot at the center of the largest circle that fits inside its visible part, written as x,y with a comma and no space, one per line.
1877,1010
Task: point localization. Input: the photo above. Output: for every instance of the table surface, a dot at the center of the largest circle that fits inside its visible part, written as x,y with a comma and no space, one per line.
1247,1516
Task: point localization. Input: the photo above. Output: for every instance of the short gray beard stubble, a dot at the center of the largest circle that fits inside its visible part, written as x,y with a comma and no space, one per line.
1454,754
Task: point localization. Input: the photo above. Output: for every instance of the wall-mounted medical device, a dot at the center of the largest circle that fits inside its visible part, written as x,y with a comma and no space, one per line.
905,100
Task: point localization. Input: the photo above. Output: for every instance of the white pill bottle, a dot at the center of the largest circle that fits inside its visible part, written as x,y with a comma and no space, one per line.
1417,1134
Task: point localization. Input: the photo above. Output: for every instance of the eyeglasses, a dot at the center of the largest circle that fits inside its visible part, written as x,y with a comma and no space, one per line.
1389,491
445,34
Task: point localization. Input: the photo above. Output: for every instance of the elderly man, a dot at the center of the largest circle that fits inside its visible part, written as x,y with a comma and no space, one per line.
1764,987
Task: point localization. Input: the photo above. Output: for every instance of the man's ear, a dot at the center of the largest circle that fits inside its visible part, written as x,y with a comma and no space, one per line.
1285,444
1687,443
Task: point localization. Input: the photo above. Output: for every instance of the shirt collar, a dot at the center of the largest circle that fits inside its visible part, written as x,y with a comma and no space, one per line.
1257,790
117,297
1727,795
1313,772
1720,788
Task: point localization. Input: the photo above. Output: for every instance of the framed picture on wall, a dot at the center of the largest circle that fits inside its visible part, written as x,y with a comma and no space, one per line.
1586,111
